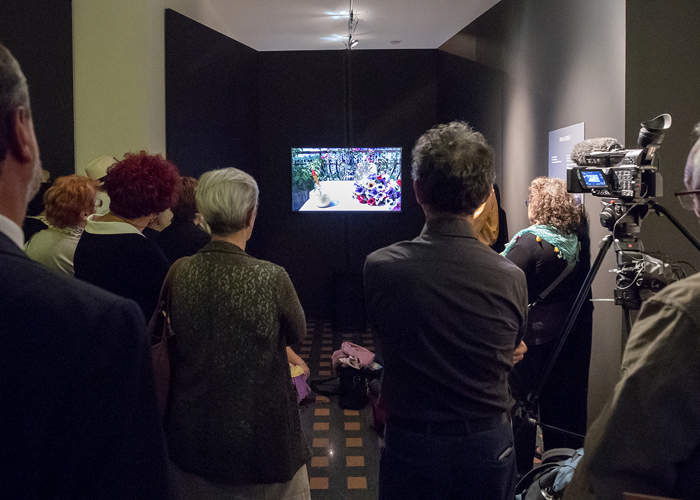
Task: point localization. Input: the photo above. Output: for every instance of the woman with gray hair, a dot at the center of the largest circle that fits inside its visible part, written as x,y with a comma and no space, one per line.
233,425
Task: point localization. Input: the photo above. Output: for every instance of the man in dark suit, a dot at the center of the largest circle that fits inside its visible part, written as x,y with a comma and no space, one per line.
78,416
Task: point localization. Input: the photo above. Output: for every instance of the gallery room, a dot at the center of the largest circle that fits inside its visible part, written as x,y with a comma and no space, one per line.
322,104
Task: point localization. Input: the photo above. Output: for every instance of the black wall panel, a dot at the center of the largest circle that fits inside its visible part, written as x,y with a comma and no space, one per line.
302,104
211,92
393,100
473,93
663,76
336,99
40,36
300,99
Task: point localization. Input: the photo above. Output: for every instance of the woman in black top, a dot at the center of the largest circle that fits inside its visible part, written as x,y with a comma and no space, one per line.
113,253
546,250
183,237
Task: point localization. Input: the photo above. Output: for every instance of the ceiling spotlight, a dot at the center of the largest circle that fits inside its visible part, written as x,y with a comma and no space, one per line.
353,21
350,42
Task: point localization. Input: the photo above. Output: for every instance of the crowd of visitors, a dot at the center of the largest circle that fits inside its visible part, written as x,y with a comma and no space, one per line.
465,333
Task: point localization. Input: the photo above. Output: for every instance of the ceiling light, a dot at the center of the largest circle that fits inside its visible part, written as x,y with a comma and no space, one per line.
350,41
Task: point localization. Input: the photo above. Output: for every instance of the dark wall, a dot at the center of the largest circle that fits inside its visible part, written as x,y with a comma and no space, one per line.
663,76
228,105
336,99
40,36
562,63
472,92
211,95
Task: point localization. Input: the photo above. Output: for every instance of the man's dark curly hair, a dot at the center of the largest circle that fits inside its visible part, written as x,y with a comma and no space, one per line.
453,167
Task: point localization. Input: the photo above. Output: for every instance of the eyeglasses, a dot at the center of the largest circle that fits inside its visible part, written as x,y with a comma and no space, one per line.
687,198
527,202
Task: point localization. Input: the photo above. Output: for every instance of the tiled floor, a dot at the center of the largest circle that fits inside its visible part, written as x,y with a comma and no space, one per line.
345,446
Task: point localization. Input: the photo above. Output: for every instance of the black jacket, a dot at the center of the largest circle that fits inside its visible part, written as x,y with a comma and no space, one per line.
181,238
78,418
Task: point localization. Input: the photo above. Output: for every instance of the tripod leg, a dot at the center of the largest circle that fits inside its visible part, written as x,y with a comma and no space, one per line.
605,244
660,209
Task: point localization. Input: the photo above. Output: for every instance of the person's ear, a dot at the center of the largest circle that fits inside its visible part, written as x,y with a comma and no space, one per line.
84,215
488,195
250,218
21,134
419,193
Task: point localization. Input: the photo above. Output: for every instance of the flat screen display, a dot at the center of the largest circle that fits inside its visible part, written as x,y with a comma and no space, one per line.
346,179
593,179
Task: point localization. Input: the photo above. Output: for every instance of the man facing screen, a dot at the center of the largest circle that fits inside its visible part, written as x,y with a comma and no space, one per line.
449,312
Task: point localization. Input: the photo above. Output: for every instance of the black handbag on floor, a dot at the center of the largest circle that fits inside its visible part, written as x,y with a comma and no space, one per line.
351,386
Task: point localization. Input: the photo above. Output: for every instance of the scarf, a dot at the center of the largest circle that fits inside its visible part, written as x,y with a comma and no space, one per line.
567,244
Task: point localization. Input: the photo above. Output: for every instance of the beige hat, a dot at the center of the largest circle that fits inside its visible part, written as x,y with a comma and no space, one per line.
97,168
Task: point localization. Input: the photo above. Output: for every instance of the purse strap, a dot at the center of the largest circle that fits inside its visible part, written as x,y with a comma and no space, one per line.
164,299
569,267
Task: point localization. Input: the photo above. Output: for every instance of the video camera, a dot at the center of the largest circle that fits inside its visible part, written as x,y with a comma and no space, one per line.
607,169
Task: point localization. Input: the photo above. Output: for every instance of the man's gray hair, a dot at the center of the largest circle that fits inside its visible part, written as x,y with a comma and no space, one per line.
13,92
453,167
225,199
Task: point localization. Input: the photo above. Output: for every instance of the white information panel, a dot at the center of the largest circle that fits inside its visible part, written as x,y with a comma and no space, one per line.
561,142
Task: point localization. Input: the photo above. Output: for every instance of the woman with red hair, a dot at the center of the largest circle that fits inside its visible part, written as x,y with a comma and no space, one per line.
113,253
68,203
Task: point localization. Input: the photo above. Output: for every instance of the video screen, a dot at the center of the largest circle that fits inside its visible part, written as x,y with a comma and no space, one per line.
346,179
593,179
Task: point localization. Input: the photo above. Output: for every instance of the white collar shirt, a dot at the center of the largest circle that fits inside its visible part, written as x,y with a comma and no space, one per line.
10,229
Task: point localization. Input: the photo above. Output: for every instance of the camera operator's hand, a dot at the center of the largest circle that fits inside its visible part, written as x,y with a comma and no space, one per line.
519,352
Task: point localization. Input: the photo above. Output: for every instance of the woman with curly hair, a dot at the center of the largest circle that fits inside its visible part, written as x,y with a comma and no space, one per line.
554,254
68,203
113,253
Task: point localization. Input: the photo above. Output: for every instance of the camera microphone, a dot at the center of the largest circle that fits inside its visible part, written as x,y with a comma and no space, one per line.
581,151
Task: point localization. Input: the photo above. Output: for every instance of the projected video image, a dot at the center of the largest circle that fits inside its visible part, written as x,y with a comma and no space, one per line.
346,179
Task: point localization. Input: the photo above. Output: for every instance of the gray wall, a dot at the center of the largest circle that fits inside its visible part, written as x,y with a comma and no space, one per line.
563,63
663,76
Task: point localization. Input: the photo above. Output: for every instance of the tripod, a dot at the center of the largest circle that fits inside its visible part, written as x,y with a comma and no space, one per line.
623,220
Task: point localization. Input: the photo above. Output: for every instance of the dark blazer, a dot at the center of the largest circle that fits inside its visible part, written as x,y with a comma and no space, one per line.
78,414
126,264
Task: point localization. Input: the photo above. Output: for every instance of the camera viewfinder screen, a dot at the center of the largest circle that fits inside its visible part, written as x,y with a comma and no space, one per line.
346,179
593,178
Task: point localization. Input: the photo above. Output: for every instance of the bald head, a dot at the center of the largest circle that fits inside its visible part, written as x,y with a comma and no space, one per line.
20,165
13,93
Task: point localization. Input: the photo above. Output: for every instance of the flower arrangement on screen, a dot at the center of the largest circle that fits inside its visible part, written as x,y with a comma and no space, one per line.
378,190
